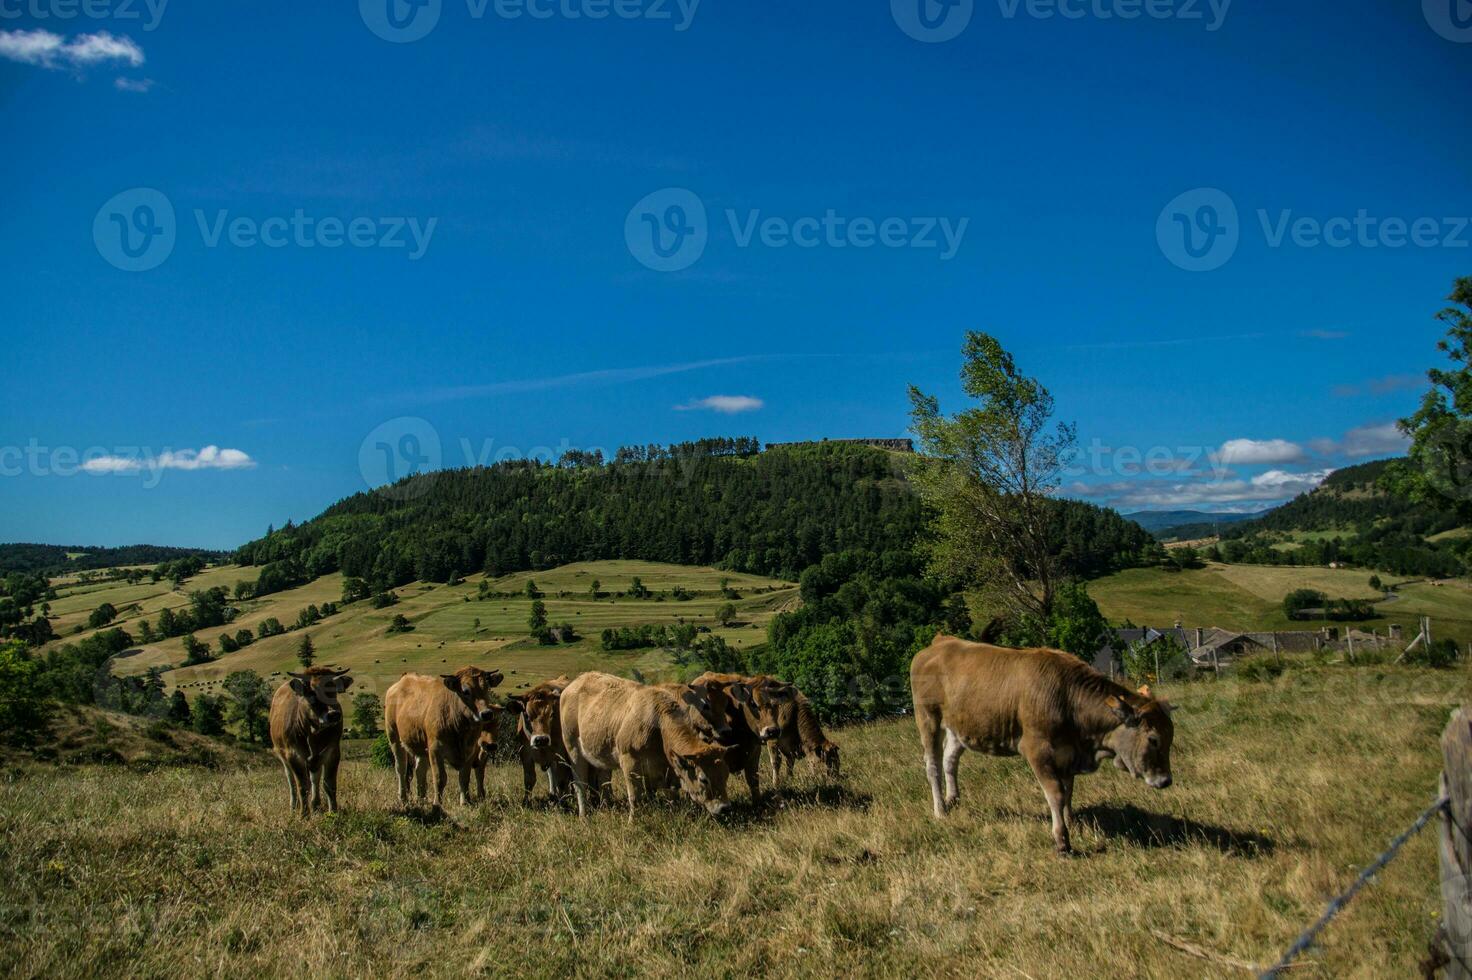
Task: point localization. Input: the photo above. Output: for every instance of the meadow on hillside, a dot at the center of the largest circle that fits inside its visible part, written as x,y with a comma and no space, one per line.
1283,790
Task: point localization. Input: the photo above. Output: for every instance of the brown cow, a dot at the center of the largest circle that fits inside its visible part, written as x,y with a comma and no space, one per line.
438,721
800,735
1060,714
610,722
306,732
539,737
707,705
754,715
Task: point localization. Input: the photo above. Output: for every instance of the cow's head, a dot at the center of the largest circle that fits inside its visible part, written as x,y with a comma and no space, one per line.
703,775
539,719
1141,743
763,701
473,687
485,747
319,688
710,709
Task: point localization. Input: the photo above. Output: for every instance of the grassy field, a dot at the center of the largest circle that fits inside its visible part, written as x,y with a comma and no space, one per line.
451,626
1283,790
1250,597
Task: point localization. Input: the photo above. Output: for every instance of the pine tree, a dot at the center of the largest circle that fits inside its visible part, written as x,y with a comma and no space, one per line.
305,652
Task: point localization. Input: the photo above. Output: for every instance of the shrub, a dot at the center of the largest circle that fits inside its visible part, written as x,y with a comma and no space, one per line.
24,708
382,754
1260,668
1440,654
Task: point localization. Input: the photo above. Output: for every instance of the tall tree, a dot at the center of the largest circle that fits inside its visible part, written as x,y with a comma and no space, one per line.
249,700
305,652
1441,429
988,474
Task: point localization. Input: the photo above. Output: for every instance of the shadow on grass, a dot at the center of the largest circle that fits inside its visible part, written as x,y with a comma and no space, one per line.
1145,829
830,796
424,814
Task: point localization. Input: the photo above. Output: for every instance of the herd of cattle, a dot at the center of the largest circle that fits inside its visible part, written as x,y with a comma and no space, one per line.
1058,713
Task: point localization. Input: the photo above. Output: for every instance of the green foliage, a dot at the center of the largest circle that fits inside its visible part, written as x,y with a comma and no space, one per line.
209,714
681,637
400,624
25,707
381,753
1440,654
248,701
270,626
51,559
196,652
179,712
367,712
1148,663
1440,467
726,614
102,616
385,599
1260,668
537,619
1295,602
306,653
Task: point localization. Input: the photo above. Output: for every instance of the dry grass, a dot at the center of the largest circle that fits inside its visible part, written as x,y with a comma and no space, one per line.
1282,791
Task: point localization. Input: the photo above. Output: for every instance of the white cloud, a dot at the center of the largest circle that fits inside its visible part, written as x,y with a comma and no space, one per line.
47,50
208,458
1270,487
725,404
1384,439
1248,452
132,84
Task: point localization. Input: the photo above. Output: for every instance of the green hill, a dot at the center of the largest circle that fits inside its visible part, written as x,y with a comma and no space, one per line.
56,559
1351,519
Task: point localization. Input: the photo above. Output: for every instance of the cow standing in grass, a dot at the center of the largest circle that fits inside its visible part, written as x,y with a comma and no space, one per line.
306,735
438,721
539,737
800,735
754,714
1051,708
610,723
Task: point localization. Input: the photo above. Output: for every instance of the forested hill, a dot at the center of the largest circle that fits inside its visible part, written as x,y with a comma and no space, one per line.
717,503
1351,518
54,559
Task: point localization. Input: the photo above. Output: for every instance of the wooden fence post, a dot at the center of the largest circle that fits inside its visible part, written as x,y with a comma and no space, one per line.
1455,847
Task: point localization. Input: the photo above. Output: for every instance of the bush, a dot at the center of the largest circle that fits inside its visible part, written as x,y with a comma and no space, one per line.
1260,668
382,754
1140,661
24,708
1439,655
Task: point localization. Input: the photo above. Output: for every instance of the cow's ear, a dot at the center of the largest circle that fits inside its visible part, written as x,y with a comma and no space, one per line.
300,686
493,677
343,683
1122,711
451,681
514,705
740,693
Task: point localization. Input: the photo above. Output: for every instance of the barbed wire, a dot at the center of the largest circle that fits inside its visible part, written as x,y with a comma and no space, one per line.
1306,940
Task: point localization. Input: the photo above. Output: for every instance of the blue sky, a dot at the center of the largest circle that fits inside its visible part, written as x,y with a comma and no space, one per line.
461,237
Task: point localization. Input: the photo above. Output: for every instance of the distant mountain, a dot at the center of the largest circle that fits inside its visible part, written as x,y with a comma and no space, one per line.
1156,521
1351,518
55,559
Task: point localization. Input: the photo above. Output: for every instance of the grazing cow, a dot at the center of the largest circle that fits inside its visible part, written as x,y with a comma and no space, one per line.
306,732
800,735
539,737
610,722
438,721
1050,707
755,717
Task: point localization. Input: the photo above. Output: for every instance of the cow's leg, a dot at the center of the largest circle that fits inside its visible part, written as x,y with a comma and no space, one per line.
528,776
931,739
776,755
581,773
290,783
628,765
1039,755
441,777
301,782
421,776
952,761
480,781
1067,785
464,774
403,768
314,771
329,777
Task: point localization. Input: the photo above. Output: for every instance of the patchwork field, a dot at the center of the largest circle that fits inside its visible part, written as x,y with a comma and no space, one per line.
1283,791
1250,597
452,627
